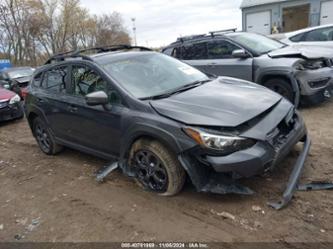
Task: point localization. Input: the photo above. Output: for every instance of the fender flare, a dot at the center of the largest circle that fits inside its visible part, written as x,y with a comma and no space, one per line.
35,110
143,130
287,74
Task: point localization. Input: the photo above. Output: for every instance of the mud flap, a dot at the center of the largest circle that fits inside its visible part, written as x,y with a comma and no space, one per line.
293,179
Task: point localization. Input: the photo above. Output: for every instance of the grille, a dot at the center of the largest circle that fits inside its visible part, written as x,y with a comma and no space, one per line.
278,136
3,104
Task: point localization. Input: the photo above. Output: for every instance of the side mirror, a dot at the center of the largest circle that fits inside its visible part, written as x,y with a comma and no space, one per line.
97,98
240,53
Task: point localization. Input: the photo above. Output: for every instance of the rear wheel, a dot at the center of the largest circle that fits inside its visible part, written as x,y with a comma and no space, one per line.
282,87
156,168
44,138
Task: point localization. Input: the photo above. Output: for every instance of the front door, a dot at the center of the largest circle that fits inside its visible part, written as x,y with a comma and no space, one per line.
93,126
221,61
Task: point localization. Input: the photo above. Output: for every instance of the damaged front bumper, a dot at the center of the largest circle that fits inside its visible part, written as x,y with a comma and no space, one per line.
219,174
316,85
11,111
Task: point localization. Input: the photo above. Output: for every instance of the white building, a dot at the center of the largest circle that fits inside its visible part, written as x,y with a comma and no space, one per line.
288,15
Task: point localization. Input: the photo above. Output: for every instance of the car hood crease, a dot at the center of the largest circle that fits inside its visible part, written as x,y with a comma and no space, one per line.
224,102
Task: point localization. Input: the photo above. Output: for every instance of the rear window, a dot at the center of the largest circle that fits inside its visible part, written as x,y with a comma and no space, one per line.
54,80
37,80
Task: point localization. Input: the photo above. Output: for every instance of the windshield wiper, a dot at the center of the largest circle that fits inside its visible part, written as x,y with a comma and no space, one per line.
178,89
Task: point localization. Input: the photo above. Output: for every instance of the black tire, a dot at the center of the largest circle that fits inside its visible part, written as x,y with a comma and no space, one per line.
156,162
44,138
282,87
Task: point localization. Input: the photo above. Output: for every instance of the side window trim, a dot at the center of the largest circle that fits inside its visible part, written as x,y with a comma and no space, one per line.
96,71
227,41
44,73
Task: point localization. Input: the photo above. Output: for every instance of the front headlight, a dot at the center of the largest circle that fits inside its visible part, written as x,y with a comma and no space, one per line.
14,99
221,144
311,65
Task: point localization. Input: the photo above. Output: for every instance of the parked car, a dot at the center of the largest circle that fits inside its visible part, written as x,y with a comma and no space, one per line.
290,71
161,119
16,79
319,36
10,105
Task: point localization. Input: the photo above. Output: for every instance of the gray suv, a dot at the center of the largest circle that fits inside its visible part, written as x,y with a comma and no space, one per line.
297,72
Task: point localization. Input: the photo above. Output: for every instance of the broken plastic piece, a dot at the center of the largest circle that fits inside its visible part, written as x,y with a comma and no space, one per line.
315,186
293,179
105,171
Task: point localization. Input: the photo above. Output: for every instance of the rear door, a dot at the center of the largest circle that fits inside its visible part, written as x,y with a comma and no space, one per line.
221,62
194,54
93,127
51,97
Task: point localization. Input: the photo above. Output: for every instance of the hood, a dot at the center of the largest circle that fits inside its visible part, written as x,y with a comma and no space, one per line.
23,80
6,94
224,102
302,51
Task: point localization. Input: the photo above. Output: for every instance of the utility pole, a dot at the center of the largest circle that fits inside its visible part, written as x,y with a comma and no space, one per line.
134,30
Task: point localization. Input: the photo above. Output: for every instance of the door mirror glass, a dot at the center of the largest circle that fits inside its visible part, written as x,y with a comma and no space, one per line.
240,53
97,98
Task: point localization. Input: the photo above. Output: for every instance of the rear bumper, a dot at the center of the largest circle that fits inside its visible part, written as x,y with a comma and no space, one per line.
11,112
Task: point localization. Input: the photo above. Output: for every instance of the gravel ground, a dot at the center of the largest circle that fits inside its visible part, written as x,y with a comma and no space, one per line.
56,198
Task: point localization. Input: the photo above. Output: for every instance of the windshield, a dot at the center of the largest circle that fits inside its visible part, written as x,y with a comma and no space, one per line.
19,73
258,43
147,75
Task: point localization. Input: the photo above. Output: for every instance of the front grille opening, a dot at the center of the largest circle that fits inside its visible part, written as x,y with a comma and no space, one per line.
282,131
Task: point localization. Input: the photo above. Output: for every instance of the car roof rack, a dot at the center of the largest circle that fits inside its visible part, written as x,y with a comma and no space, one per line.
189,37
102,49
223,31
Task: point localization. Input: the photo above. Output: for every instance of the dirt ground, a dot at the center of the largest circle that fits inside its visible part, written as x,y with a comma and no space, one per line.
56,198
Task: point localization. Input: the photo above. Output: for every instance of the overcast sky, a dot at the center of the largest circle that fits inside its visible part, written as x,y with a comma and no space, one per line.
160,22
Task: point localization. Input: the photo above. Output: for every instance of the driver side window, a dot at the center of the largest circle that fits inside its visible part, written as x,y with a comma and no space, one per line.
85,81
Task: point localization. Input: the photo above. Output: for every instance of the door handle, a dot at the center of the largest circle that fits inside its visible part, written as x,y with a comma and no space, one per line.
39,100
213,64
72,108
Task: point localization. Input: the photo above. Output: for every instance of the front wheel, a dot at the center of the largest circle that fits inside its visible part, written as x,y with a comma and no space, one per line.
282,87
156,168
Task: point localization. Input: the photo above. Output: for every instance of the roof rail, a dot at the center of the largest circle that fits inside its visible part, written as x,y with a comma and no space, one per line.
190,37
102,49
223,31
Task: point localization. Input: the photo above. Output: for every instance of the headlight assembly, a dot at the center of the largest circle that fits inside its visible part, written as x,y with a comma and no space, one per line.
221,144
310,65
14,99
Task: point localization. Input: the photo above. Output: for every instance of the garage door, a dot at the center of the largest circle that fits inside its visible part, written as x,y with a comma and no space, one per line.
326,13
259,22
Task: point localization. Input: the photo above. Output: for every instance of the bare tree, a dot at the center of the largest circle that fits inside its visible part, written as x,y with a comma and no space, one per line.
32,30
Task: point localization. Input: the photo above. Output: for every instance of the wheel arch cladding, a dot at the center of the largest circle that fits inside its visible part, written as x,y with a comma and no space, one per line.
31,118
149,132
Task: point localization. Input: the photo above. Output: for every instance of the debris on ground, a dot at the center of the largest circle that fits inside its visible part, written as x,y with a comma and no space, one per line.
1,227
22,221
224,214
18,237
33,225
258,209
